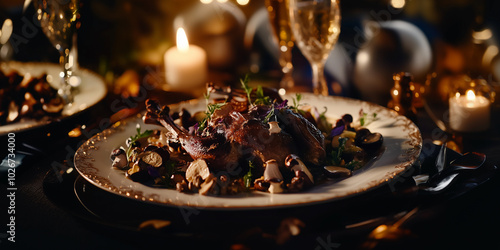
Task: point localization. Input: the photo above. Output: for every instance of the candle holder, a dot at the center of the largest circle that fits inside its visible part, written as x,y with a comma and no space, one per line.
470,105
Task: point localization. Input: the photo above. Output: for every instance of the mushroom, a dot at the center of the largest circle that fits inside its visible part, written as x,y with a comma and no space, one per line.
261,185
195,185
150,158
181,186
360,134
119,158
155,156
294,163
273,175
274,128
138,174
272,171
275,187
296,184
209,186
197,168
367,140
308,182
337,172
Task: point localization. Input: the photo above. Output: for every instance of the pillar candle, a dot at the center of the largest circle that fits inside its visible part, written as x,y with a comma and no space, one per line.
469,113
185,65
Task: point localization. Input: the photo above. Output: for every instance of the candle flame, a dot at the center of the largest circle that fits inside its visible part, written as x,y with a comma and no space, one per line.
470,95
182,41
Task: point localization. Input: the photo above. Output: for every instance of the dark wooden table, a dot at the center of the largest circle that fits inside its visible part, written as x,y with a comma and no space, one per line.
48,214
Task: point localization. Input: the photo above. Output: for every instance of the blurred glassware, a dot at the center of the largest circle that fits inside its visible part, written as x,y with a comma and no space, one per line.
316,28
282,33
392,46
403,95
5,33
59,21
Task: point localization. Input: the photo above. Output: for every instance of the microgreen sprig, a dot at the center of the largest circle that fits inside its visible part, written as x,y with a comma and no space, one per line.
261,98
248,177
133,139
296,101
248,89
269,115
336,159
211,108
365,118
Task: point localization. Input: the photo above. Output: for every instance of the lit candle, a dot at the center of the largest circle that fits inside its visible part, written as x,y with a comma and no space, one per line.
469,113
185,65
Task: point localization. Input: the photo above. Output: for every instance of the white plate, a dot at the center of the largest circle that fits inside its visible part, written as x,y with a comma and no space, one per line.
402,145
91,90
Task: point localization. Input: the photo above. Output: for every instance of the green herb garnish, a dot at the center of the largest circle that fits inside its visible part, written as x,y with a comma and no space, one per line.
336,159
261,98
269,115
352,165
135,138
207,96
364,118
296,101
248,89
248,177
211,108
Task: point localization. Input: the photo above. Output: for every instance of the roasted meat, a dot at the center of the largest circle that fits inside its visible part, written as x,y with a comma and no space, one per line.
233,137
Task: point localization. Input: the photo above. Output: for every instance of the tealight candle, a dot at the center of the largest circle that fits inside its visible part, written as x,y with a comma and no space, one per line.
185,65
469,112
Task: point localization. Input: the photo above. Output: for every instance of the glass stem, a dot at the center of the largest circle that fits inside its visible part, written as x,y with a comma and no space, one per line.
286,68
319,82
65,90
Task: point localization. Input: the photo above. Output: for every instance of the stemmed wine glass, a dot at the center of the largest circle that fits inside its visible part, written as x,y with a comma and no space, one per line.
59,19
280,24
316,27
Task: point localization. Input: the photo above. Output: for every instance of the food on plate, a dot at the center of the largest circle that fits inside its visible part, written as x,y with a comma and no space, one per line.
247,139
24,96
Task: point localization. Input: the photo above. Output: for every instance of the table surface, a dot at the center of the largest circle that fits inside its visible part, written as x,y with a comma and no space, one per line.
49,214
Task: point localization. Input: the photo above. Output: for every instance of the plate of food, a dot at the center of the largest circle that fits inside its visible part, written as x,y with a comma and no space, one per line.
250,149
29,95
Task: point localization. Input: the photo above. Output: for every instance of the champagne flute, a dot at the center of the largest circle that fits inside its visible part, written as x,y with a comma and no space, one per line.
316,28
280,24
58,19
